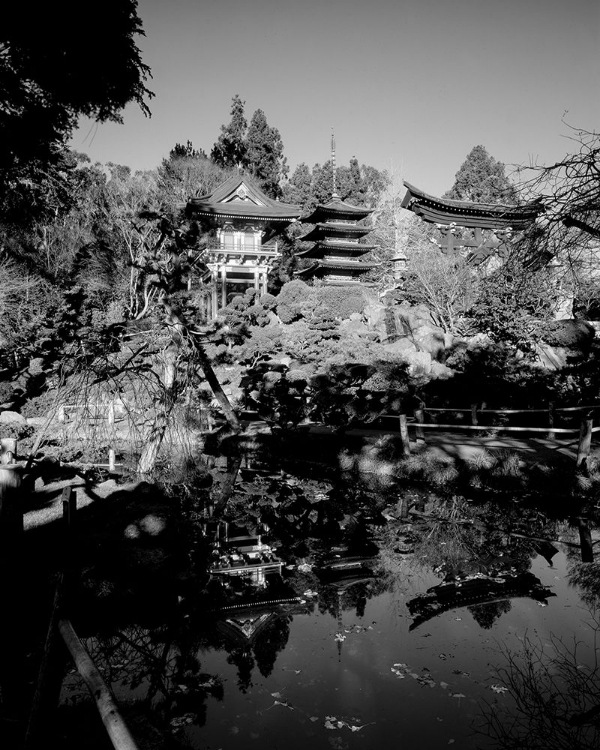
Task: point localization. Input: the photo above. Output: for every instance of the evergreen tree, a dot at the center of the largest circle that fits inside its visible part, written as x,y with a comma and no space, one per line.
481,179
230,148
187,151
298,189
264,154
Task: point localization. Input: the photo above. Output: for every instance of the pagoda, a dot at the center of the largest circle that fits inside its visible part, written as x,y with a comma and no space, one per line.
336,249
246,222
462,223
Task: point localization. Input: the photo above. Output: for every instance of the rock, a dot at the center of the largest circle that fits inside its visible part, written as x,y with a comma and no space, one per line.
440,371
400,347
433,343
12,417
419,363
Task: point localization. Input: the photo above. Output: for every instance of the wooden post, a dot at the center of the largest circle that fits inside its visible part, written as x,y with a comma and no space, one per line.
11,514
420,417
585,442
551,433
114,724
8,450
474,414
50,676
404,435
585,538
69,503
111,426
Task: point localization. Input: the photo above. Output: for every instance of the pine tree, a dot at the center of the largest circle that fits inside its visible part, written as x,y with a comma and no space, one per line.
230,148
264,154
481,179
298,189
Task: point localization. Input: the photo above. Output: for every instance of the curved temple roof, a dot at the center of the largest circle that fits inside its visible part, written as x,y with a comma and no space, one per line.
469,215
239,197
336,209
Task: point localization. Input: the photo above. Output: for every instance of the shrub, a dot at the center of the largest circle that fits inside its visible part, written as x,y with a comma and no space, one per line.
341,301
571,334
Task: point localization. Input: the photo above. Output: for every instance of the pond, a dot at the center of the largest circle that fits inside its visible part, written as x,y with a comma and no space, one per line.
342,612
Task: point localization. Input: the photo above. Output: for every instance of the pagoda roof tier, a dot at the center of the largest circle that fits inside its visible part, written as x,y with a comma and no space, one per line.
328,264
332,230
239,197
336,208
467,214
346,248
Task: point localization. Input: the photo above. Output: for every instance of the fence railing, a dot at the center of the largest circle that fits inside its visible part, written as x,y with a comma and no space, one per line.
585,429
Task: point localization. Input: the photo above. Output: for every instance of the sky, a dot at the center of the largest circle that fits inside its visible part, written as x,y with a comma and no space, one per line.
410,86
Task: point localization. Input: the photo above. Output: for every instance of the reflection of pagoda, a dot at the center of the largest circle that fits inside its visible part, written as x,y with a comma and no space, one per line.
336,251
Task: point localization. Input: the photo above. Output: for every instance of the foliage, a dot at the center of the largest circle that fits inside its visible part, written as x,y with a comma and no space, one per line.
293,300
51,74
445,283
571,334
230,149
481,179
340,395
341,302
264,154
514,305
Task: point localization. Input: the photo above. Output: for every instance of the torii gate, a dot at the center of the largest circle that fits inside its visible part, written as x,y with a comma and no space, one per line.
507,223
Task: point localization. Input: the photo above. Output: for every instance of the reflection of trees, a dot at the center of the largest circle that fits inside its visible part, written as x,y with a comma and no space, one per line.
485,615
162,670
555,691
587,577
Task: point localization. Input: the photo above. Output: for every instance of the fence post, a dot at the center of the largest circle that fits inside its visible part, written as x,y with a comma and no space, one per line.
551,433
585,538
404,435
420,417
585,442
8,450
111,427
474,414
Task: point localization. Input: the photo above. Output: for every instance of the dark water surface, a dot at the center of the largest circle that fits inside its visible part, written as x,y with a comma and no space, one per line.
400,620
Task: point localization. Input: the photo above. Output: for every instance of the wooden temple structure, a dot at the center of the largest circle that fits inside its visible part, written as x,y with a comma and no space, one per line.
246,223
336,251
483,229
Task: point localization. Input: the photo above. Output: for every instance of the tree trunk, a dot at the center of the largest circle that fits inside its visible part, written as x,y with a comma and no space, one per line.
217,389
157,434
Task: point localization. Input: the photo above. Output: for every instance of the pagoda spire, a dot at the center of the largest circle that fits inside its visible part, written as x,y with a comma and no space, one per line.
333,167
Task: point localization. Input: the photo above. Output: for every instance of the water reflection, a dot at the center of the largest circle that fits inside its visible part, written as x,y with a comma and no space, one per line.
334,582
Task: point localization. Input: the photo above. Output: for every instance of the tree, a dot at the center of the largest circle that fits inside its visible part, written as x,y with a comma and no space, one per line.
298,189
264,154
481,179
179,150
230,149
50,74
185,173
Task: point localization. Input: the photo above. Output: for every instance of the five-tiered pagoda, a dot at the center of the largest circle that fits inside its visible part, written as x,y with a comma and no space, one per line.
337,251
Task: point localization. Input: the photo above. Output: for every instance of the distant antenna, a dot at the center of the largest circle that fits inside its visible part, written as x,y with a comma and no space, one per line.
333,168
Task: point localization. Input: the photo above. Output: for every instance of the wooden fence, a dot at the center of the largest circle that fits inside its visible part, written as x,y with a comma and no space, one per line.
585,430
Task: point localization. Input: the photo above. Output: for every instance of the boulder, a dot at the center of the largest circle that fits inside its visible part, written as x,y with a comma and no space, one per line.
433,343
419,363
12,417
400,347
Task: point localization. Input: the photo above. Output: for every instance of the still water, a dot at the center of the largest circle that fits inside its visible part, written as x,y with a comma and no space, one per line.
342,616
